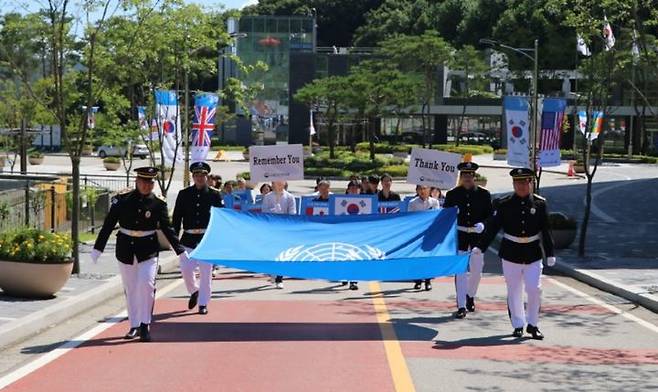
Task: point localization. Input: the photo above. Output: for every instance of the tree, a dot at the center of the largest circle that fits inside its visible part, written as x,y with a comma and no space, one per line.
422,55
601,74
327,96
470,62
376,91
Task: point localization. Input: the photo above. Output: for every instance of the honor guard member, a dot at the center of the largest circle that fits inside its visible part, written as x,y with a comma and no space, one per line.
523,216
139,213
474,207
192,209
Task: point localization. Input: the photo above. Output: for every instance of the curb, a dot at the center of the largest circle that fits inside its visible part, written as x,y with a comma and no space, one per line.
23,328
646,300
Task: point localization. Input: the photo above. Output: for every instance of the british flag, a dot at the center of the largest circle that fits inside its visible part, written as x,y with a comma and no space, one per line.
204,123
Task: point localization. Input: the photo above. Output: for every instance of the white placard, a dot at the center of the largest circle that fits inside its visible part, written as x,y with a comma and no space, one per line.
276,163
433,168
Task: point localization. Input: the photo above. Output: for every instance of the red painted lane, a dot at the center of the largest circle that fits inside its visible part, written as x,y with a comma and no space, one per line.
498,349
239,346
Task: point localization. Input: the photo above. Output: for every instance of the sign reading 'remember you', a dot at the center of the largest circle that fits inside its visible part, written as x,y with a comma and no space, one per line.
276,163
433,168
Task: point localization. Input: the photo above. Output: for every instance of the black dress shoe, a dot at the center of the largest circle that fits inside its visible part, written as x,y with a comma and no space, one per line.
353,286
203,309
470,304
461,313
191,304
535,332
144,334
428,285
343,283
518,332
417,284
132,334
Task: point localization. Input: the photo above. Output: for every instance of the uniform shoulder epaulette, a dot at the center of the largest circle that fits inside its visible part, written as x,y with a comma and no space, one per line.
212,188
124,191
162,198
503,199
120,195
483,188
537,197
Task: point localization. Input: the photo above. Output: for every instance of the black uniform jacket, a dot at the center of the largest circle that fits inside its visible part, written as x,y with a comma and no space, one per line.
520,217
474,207
192,210
135,211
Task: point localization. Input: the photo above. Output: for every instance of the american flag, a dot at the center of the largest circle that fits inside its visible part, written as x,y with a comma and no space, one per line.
204,123
551,127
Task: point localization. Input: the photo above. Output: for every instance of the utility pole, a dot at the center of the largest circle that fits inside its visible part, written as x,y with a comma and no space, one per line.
186,137
23,147
535,108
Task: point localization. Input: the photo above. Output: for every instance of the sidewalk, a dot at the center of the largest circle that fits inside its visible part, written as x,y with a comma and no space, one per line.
631,278
22,318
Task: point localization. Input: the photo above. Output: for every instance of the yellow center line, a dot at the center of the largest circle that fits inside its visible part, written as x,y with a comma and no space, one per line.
396,362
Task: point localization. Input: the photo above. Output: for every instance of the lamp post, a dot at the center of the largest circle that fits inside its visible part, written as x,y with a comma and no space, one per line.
535,89
221,64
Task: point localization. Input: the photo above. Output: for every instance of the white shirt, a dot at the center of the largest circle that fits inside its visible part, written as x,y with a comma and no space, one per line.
283,203
418,204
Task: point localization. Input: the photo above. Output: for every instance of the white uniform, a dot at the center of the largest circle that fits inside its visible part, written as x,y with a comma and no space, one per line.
139,286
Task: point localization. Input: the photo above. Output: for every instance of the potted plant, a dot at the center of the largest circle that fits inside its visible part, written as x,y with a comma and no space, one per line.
112,163
35,158
34,263
579,166
480,180
500,154
563,229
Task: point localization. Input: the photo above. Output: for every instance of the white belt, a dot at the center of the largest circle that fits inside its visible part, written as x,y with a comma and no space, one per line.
467,229
195,231
521,240
136,233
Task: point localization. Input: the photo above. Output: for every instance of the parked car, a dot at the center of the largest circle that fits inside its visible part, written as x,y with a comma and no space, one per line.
139,150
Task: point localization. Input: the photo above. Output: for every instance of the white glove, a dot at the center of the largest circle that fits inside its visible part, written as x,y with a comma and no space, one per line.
95,254
476,251
550,261
184,257
479,227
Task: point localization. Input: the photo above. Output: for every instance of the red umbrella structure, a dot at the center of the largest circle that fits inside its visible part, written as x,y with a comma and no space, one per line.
269,41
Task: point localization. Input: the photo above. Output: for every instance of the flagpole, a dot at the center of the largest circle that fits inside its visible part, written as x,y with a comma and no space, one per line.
186,139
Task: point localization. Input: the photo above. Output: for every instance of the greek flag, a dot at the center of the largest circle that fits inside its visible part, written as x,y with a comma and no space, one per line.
385,247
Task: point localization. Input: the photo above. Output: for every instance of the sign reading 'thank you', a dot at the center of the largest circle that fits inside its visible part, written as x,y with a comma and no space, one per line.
433,168
276,163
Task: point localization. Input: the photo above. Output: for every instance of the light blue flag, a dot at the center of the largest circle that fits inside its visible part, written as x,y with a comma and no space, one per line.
385,247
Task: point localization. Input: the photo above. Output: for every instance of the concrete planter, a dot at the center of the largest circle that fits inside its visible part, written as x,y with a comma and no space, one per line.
34,161
499,157
563,238
579,168
112,166
87,151
245,155
33,280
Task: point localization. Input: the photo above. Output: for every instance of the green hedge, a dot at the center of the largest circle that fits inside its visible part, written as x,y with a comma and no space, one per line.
385,148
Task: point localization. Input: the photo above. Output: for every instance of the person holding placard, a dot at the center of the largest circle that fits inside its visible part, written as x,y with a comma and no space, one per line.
386,194
279,201
423,202
474,207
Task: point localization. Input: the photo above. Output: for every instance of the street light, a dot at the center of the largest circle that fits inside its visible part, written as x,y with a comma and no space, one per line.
535,87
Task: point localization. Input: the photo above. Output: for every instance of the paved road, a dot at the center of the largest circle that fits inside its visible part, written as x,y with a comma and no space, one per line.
316,336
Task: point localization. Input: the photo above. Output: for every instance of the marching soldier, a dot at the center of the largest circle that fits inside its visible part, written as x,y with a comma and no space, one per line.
192,209
139,213
523,216
474,204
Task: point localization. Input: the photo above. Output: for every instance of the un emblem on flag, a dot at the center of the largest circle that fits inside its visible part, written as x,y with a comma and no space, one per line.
331,251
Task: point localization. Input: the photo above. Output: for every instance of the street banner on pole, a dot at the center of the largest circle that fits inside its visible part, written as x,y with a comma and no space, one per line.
205,106
384,247
518,136
168,121
276,163
596,124
551,131
433,168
